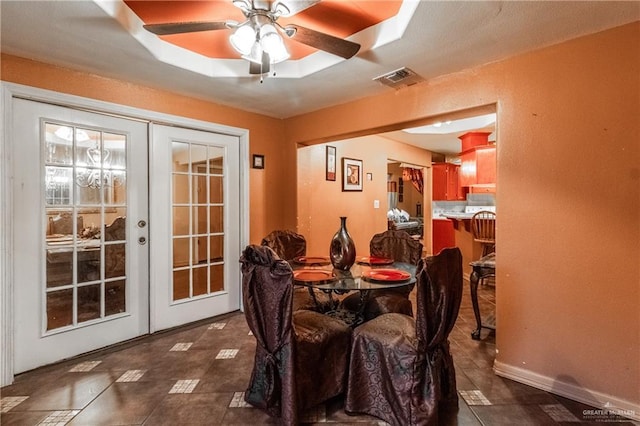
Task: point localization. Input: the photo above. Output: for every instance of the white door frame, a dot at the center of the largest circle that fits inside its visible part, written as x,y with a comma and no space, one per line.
10,90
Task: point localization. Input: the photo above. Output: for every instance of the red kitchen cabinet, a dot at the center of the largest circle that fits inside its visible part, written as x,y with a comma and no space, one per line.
445,182
478,166
443,234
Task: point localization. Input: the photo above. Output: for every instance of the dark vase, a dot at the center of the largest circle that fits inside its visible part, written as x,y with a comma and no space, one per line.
342,250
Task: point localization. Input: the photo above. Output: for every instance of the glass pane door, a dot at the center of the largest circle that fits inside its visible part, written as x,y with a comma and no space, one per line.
85,191
198,220
196,225
80,211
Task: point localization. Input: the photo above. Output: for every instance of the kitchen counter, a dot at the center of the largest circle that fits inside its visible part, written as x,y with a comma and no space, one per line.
457,216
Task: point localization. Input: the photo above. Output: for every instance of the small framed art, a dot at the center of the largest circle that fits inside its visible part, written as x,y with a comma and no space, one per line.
331,163
351,174
258,161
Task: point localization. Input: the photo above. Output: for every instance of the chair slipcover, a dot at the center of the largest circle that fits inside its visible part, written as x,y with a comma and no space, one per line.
301,357
399,246
288,245
401,369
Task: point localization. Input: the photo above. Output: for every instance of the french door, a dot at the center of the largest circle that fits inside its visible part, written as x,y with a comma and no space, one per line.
80,260
195,231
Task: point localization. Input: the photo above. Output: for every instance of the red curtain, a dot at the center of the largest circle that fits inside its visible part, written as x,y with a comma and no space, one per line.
415,176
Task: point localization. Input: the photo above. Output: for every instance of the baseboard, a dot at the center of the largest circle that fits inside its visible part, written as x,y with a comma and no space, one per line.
607,403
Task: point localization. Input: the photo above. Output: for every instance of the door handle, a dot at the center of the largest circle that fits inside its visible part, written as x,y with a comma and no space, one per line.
142,241
142,224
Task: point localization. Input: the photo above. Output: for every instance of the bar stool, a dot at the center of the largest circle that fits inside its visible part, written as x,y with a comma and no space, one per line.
483,229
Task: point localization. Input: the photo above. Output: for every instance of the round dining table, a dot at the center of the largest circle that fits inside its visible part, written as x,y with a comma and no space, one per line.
366,274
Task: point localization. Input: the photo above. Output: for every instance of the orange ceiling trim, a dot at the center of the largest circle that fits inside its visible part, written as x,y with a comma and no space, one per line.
339,18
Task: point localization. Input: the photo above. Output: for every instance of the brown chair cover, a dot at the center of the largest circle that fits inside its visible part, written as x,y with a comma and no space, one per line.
301,357
399,246
401,369
288,245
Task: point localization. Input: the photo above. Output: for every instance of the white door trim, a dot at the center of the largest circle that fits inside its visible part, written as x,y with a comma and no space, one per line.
10,90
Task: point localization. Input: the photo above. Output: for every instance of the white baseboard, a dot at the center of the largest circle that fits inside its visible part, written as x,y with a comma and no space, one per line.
607,403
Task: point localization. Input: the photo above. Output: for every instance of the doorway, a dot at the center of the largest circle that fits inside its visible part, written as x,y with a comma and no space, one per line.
76,237
196,226
83,231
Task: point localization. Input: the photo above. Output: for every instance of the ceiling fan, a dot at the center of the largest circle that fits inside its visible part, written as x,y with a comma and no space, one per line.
259,37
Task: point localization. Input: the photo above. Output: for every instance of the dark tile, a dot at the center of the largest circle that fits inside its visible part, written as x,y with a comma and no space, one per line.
462,416
137,357
227,375
509,415
71,391
22,418
499,390
191,409
247,416
180,365
124,404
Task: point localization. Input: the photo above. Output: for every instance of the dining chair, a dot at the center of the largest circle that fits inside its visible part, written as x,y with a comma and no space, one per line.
401,370
289,245
401,247
301,356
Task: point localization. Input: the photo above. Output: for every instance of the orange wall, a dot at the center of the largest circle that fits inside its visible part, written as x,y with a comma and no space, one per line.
322,202
568,230
266,134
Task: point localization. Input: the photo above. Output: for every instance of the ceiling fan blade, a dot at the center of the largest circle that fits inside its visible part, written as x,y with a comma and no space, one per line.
184,27
291,7
322,41
256,68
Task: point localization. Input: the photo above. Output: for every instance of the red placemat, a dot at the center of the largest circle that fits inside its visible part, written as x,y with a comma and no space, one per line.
386,275
312,260
374,260
313,276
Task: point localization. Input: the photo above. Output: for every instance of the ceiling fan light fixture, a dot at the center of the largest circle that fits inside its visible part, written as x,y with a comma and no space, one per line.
243,39
281,9
290,31
279,52
255,54
269,38
243,5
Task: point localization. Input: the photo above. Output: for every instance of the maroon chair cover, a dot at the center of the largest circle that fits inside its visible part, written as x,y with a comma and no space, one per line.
401,369
288,245
399,246
301,357
396,244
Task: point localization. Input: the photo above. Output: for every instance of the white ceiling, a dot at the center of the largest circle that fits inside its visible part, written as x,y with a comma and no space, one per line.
442,37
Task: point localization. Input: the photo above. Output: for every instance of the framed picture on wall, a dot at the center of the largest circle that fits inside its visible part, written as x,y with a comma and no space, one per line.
351,174
331,163
258,161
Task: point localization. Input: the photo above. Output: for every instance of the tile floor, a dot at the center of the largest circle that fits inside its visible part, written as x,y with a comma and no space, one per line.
196,375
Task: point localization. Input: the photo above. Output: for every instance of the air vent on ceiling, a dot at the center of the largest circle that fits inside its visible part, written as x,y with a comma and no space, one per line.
399,78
